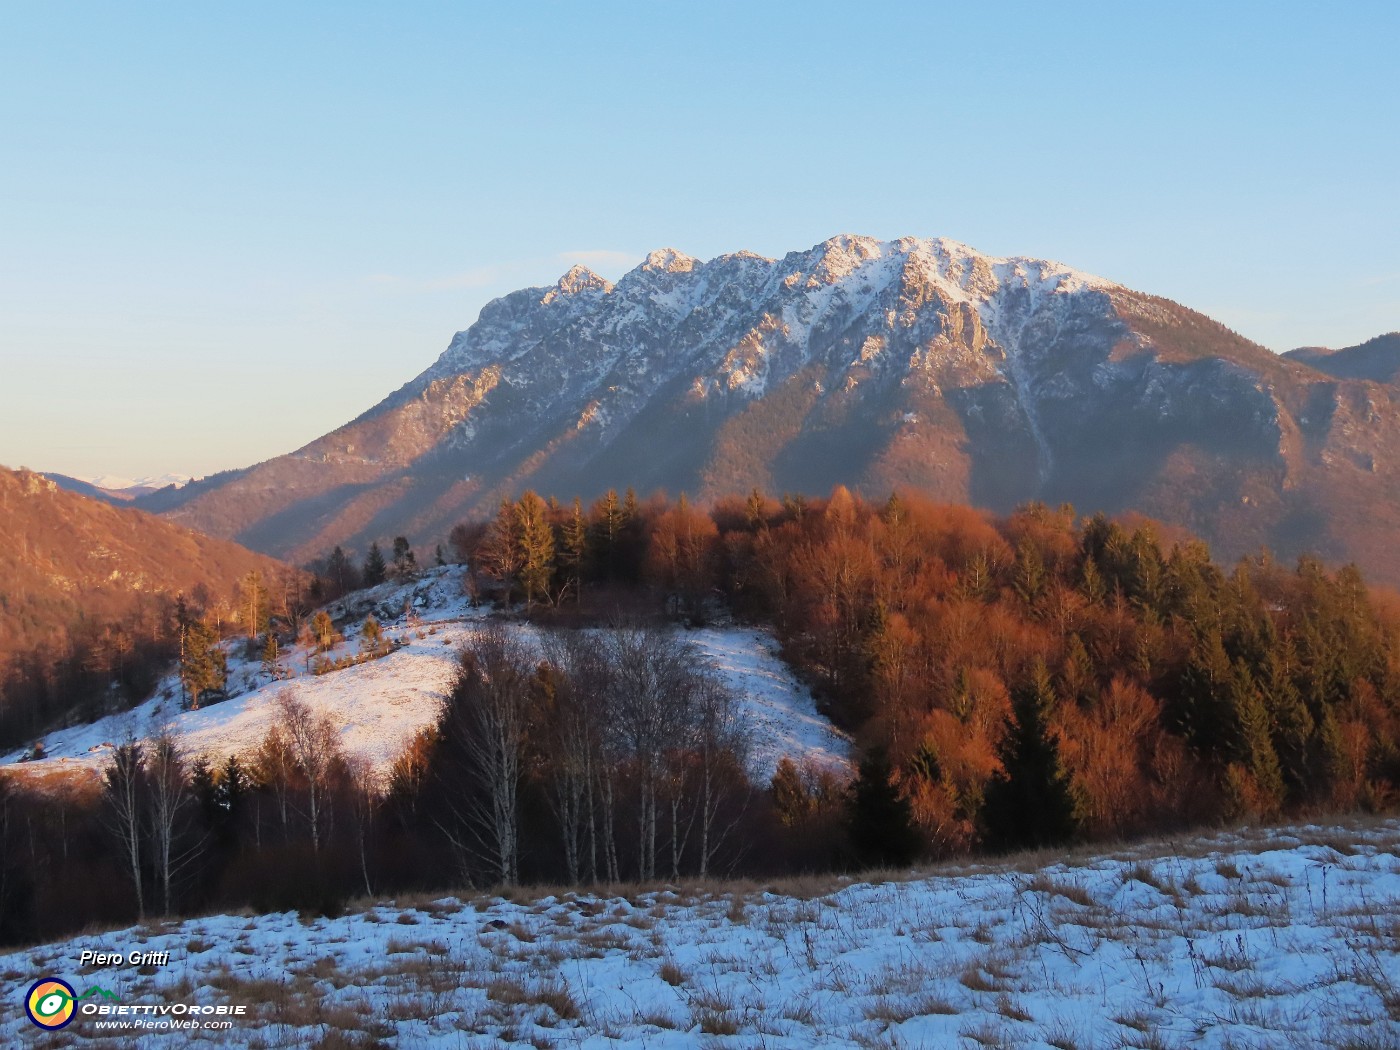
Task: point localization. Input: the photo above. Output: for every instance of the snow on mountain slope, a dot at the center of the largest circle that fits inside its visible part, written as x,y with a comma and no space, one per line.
920,364
379,706
1272,938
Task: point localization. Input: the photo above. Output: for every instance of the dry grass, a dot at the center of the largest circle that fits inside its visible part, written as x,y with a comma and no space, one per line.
504,979
1053,887
1227,869
893,1010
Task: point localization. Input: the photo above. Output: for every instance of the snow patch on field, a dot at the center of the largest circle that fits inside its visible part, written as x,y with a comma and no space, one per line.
1280,938
381,705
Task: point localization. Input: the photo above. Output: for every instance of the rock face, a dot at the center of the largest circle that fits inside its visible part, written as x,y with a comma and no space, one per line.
876,364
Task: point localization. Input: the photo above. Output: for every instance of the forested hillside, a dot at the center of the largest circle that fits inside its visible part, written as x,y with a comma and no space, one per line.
1030,680
90,599
1017,680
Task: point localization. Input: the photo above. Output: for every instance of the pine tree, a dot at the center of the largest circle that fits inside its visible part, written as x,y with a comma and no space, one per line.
1253,748
405,564
374,572
881,821
203,665
1029,803
439,557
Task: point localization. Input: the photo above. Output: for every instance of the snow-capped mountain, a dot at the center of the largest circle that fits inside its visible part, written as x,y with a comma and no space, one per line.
116,489
118,483
877,364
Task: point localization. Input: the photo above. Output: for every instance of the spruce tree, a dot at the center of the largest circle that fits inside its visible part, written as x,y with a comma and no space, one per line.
374,572
881,821
203,665
204,787
1091,583
405,564
1029,803
756,511
233,784
790,796
1029,576
1253,747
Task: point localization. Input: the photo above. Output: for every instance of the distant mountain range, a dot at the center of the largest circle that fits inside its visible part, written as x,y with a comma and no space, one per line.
877,364
115,489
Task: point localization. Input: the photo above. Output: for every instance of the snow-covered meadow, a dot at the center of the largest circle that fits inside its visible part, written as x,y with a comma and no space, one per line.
1259,938
380,705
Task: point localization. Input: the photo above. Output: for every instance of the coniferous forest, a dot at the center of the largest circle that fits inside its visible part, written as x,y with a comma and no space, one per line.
1020,682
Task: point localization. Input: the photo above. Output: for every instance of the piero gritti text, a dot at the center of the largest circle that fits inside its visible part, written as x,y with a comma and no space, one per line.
134,958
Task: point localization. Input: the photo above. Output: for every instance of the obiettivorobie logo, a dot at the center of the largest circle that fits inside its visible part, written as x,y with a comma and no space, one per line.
52,1003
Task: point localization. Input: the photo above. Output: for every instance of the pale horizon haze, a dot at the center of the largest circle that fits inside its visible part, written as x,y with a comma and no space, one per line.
225,231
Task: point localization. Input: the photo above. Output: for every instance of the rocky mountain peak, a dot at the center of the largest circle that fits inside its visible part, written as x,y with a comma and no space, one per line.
579,278
838,257
877,364
668,260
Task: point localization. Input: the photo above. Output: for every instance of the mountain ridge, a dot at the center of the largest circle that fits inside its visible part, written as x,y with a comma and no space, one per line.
1377,359
879,364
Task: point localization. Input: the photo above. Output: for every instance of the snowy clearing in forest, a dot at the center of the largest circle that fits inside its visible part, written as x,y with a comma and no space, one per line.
379,706
1258,938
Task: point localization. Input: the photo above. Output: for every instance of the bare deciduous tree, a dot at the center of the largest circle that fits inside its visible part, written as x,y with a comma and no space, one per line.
168,796
123,787
366,791
486,727
314,745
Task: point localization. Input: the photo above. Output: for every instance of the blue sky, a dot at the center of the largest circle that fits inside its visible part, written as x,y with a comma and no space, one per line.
227,229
